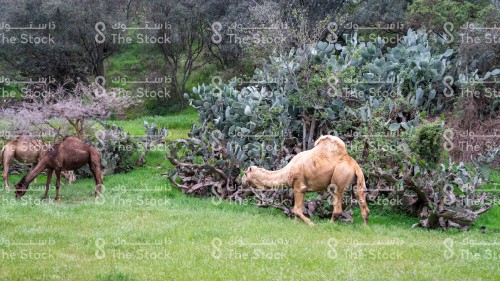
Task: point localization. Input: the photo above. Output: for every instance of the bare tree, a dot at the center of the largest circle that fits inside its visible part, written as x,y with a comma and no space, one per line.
73,51
186,44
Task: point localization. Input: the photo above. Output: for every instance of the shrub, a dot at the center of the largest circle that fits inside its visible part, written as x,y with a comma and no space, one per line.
117,150
370,96
427,142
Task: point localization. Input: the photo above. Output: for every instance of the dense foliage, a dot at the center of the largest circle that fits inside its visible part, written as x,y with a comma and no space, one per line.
373,97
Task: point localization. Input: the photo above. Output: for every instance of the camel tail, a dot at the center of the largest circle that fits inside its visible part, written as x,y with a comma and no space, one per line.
361,187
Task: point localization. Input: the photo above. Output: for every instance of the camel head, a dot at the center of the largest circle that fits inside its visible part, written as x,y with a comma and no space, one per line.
249,176
21,188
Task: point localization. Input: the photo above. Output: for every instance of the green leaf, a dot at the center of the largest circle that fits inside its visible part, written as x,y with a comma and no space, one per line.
419,94
394,127
448,53
363,114
416,170
248,111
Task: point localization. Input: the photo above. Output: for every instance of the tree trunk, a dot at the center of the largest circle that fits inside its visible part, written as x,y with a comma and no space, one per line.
310,142
98,61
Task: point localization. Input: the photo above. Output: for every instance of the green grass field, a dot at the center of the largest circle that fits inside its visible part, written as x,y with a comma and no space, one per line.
178,125
144,229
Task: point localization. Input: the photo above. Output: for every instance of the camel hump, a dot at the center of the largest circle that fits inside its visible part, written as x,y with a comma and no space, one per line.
16,140
332,143
71,138
25,140
328,140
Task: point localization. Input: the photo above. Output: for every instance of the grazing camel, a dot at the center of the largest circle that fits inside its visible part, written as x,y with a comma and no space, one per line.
69,154
25,150
326,165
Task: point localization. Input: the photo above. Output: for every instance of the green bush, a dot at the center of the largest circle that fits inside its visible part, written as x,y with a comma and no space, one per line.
117,150
427,142
433,14
371,96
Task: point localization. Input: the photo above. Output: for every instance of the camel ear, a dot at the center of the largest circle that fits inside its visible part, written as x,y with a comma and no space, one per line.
249,169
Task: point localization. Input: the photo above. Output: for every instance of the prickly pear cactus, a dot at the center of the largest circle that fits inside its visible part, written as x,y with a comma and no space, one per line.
154,136
248,125
362,88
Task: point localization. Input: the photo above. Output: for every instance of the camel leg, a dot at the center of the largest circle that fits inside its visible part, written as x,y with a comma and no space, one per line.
337,203
95,167
58,184
299,203
8,153
7,158
339,186
365,212
31,170
47,185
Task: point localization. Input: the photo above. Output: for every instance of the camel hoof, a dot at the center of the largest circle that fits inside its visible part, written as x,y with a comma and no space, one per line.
311,224
57,198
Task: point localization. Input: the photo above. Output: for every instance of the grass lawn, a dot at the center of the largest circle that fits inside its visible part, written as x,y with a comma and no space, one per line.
178,125
144,229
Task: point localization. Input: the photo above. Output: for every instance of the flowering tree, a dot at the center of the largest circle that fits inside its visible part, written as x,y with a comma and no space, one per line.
67,108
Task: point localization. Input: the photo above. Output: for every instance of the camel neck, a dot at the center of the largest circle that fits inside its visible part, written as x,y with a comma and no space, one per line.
33,174
274,179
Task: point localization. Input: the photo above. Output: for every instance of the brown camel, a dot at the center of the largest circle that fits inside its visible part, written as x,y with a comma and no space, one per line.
69,154
25,150
326,165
